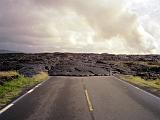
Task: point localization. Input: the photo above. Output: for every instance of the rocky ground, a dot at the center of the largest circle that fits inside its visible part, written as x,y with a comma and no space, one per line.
146,66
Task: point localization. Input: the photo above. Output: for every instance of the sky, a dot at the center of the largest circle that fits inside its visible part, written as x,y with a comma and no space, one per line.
97,26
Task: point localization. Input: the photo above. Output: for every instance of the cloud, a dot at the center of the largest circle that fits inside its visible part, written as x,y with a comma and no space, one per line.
72,26
107,18
148,12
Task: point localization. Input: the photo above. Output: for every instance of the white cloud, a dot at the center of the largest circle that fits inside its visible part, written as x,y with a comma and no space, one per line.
79,26
148,12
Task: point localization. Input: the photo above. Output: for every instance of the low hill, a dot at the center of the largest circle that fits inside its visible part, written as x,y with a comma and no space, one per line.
8,51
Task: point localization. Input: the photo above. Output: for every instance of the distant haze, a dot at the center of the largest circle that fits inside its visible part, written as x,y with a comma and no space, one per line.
111,26
8,51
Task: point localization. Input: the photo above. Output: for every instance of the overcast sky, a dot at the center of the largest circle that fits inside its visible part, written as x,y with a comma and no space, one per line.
112,26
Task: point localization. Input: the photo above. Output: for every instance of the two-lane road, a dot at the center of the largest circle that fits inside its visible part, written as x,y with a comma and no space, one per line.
85,98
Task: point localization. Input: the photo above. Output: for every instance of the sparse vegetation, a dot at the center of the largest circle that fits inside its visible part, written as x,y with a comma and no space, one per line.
150,84
11,89
8,74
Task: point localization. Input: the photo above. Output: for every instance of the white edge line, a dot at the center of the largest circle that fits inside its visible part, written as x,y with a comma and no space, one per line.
6,108
138,88
30,91
11,104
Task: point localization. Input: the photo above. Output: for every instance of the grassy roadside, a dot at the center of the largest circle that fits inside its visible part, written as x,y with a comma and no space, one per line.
150,85
8,74
12,89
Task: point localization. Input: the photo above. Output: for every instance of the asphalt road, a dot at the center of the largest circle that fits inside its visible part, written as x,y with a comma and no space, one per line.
85,98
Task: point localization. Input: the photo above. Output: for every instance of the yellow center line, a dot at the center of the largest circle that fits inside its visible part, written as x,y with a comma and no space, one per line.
88,101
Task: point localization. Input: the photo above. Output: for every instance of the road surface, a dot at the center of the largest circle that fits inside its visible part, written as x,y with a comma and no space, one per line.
85,98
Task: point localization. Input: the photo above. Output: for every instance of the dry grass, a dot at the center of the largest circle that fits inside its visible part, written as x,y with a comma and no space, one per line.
154,84
8,74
